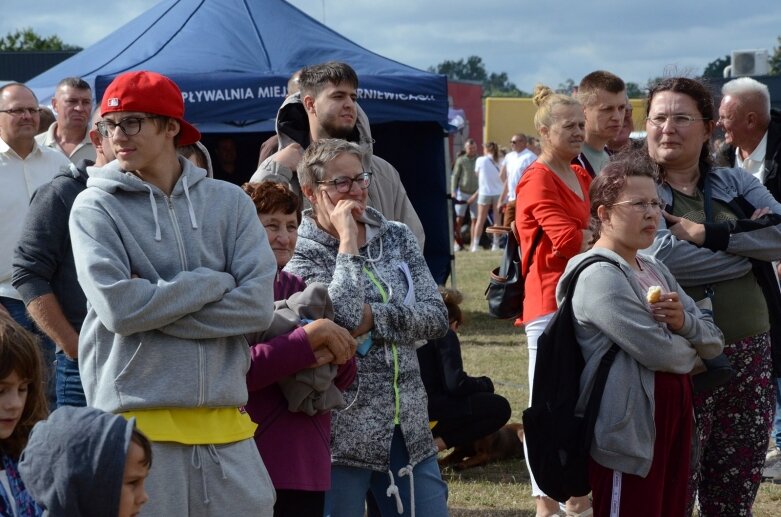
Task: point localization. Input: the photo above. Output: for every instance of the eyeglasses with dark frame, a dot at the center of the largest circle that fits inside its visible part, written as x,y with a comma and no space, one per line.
677,120
18,112
129,125
343,184
642,206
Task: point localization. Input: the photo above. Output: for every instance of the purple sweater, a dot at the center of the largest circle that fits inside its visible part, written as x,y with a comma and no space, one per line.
295,447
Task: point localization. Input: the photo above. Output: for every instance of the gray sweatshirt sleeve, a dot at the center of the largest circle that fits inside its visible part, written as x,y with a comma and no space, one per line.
272,170
753,238
693,265
127,305
249,306
605,301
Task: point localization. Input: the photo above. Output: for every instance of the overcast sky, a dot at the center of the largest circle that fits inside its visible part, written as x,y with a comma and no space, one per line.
546,42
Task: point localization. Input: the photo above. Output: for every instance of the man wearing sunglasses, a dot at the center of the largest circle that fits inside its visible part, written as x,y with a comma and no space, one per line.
24,166
176,268
326,107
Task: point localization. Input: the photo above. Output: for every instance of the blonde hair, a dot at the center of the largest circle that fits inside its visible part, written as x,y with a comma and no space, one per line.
546,100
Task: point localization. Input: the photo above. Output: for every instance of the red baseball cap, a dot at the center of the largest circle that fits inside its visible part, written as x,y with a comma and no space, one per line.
149,92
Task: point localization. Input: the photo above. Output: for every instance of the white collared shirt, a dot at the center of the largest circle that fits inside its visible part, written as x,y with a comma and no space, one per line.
755,163
19,177
83,151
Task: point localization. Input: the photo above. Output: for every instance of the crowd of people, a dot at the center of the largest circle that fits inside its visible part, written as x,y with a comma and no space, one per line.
282,348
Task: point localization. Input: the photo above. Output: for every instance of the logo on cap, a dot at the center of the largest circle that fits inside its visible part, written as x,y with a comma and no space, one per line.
113,102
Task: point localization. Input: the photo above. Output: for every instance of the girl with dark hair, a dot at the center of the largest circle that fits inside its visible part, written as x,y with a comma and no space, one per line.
721,230
22,404
641,441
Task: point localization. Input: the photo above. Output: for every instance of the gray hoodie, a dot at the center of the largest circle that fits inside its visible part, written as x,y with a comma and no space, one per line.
386,193
75,460
609,306
172,283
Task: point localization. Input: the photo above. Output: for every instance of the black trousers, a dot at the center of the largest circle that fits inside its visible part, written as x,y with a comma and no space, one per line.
487,413
299,503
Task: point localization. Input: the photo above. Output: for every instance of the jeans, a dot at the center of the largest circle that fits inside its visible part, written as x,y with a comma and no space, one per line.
18,312
777,420
349,486
69,389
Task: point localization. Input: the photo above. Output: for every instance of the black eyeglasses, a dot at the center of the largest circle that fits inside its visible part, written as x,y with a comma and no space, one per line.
18,112
130,126
343,184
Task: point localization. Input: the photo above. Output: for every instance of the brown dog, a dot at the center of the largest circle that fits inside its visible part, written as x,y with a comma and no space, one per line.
507,442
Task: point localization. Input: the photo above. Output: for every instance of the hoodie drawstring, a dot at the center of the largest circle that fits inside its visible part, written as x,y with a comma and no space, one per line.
407,471
190,209
186,186
197,463
393,489
158,236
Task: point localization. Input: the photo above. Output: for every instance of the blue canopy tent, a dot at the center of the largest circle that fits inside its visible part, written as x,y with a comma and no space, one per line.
232,59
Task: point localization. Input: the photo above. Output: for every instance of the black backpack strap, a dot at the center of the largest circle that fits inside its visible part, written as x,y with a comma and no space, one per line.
595,399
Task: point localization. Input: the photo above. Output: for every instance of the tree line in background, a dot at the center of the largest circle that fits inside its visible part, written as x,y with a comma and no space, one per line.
27,39
469,69
498,85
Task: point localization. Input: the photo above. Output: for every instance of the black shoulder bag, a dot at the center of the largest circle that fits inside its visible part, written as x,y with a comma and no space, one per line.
506,286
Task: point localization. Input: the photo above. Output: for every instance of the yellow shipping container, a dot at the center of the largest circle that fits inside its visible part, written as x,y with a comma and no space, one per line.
506,116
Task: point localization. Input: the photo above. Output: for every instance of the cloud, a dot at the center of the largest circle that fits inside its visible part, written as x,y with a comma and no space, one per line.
531,41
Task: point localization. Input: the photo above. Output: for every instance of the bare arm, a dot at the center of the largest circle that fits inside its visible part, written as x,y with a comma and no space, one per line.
48,315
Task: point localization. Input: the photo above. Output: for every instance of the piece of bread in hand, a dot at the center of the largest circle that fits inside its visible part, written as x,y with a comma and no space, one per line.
654,294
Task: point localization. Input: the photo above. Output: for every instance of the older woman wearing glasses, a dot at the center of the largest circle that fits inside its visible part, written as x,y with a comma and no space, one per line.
723,229
383,292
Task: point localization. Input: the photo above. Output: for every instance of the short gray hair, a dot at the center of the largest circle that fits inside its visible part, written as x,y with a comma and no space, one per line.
748,89
77,83
319,154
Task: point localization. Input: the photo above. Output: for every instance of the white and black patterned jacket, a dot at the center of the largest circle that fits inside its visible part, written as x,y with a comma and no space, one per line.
361,433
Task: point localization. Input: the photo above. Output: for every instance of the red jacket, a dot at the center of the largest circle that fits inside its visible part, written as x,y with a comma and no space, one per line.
544,200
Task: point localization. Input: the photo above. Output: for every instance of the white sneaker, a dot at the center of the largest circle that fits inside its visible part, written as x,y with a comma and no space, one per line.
473,248
772,470
456,247
495,247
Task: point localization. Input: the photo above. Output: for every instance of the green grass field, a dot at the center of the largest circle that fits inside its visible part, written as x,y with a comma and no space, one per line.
497,349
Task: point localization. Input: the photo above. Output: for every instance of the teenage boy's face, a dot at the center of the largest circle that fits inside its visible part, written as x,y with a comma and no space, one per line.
133,495
140,151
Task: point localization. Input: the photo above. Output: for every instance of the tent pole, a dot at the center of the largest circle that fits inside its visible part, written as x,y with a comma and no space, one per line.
448,172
